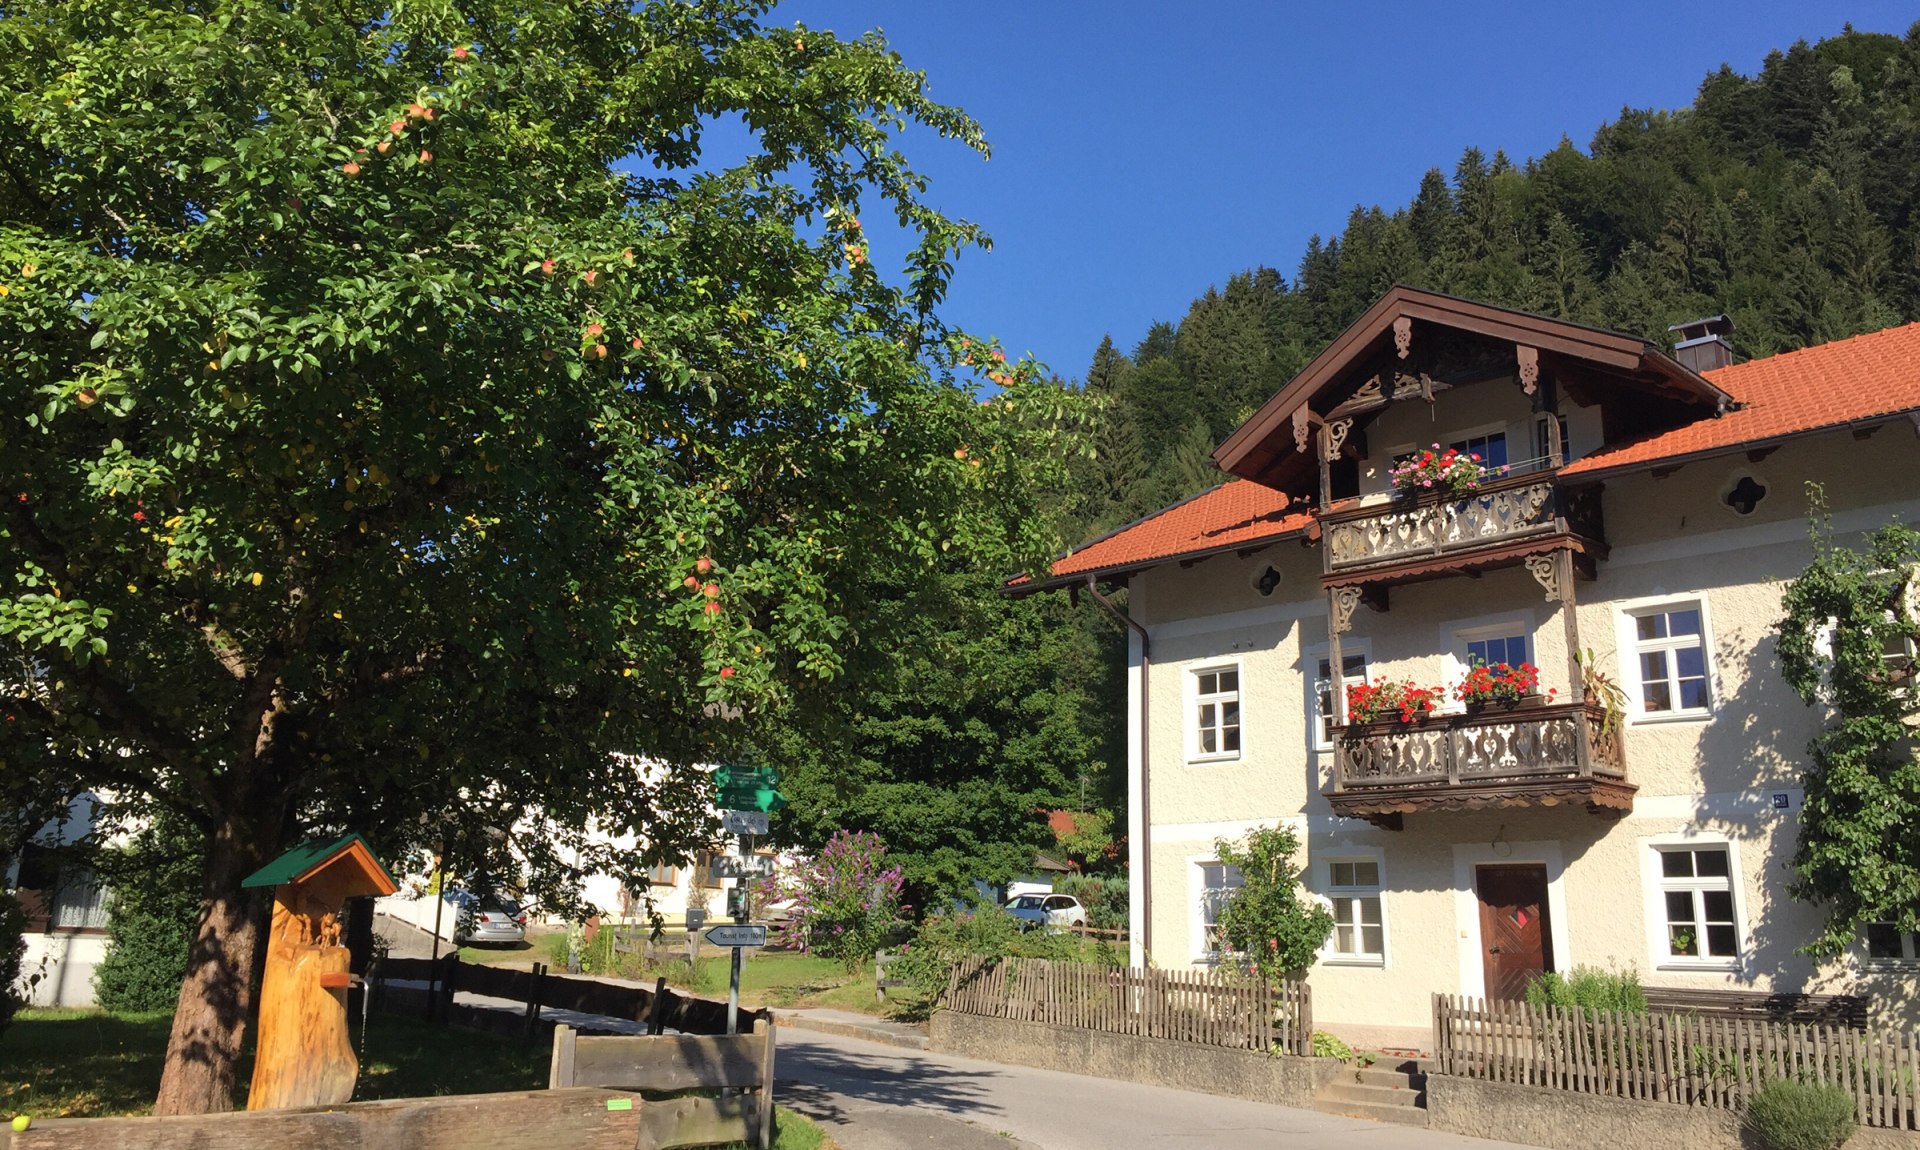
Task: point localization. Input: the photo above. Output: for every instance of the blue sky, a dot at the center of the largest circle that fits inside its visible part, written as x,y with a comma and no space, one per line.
1145,150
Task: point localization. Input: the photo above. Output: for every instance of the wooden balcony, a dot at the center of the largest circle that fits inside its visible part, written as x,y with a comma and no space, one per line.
1501,521
1531,754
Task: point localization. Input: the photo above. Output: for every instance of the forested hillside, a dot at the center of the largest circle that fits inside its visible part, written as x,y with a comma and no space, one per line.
1786,200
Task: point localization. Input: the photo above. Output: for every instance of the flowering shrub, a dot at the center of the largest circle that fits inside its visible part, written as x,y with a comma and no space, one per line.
846,900
1499,683
1367,702
1440,469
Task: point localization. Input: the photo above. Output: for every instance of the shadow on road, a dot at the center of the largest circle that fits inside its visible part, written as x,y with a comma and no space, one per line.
817,1080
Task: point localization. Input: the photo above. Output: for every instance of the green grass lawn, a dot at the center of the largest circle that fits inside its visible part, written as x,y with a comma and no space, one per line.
786,978
89,1064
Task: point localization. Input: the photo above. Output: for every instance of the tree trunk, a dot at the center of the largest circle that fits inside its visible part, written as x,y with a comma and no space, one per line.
216,998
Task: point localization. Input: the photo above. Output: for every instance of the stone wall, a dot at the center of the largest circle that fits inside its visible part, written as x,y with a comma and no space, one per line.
1538,1116
1283,1080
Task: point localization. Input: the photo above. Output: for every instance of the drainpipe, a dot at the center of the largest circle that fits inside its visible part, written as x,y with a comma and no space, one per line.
1139,844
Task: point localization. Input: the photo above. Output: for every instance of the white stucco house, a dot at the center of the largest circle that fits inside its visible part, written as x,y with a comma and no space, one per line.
1650,506
66,908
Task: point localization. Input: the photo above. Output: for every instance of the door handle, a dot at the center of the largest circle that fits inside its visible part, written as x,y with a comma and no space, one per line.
1493,950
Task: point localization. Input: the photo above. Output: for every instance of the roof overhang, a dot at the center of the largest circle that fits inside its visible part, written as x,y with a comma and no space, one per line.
1116,574
1270,447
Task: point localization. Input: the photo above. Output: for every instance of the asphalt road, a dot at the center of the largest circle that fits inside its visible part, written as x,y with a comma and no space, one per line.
873,1097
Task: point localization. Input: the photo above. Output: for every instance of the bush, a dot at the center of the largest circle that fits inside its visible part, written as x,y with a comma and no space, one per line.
1789,1115
1105,898
1589,988
1327,1046
156,884
846,899
1266,923
946,940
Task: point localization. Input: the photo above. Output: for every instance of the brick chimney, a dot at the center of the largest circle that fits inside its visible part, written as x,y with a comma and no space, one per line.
1703,344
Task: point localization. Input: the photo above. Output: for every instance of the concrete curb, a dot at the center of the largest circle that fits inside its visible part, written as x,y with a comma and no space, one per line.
890,1034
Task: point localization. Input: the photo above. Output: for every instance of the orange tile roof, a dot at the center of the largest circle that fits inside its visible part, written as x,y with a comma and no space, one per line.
1866,377
1221,518
1852,380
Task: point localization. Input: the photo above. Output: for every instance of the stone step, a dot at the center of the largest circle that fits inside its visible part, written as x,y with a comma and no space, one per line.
1349,1091
1403,1115
1379,1076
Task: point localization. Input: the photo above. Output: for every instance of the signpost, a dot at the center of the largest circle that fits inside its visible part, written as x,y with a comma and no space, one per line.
736,935
751,866
744,822
747,794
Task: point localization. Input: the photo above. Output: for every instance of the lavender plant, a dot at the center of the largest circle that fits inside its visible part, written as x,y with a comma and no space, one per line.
846,900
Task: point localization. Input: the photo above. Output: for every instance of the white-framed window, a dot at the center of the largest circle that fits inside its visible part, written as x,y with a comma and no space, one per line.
80,902
1490,649
1700,923
1219,882
1215,713
1330,698
1888,945
1359,927
1897,655
1667,652
1490,446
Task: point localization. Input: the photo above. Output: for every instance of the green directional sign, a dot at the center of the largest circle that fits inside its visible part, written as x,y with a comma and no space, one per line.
749,788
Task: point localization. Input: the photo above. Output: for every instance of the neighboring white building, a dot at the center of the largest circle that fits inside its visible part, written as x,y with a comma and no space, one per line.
696,883
66,911
1651,514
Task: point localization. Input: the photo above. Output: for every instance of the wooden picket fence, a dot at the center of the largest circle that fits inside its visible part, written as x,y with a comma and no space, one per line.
1195,1006
1694,1059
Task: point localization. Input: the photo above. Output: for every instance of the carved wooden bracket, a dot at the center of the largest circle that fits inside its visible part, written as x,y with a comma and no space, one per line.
1337,437
1529,360
1545,570
1403,335
1345,599
1300,428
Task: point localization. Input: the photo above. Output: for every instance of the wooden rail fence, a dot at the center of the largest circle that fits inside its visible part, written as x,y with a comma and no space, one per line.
1195,1006
660,1007
1689,1058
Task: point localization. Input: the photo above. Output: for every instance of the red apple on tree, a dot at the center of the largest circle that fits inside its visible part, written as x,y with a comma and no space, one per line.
703,565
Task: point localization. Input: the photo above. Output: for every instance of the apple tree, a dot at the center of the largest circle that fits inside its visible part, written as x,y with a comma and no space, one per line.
401,419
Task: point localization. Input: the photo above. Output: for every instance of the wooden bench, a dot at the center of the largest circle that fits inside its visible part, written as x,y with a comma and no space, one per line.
1827,1009
662,1064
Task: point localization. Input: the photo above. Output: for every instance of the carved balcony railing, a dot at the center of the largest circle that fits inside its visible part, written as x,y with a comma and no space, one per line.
1530,754
1507,511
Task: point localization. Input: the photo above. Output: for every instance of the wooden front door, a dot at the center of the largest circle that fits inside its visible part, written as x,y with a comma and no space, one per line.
1513,927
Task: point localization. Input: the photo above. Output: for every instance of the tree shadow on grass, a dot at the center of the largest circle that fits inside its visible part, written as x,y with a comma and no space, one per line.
65,1064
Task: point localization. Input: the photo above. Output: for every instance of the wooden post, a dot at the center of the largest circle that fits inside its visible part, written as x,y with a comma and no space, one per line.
448,981
657,1009
1337,687
532,1024
560,1070
766,1082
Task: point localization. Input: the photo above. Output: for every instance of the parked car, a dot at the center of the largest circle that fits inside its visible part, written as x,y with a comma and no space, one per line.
1054,911
493,920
